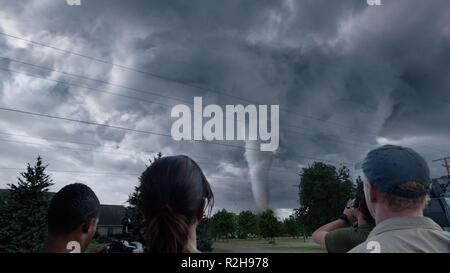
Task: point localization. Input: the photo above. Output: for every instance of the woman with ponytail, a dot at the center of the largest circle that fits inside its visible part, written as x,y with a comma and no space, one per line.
174,197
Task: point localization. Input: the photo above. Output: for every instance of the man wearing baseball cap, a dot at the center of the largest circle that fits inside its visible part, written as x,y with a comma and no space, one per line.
396,185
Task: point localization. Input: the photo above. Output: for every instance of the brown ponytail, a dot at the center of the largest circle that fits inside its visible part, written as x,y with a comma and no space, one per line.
168,232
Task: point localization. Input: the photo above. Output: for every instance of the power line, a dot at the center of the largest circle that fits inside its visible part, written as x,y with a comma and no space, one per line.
86,87
220,179
57,140
145,73
342,139
87,144
119,128
96,80
79,172
138,99
87,57
132,152
97,151
96,89
339,138
152,102
99,90
116,127
60,147
445,164
105,91
126,68
96,145
125,87
85,150
165,78
103,81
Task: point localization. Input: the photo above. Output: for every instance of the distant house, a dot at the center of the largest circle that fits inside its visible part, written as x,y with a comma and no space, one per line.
111,217
110,222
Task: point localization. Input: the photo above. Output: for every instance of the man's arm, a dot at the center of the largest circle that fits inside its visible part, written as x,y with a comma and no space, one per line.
319,235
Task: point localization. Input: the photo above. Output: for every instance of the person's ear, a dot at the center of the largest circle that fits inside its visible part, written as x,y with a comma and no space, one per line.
200,216
89,225
373,193
85,227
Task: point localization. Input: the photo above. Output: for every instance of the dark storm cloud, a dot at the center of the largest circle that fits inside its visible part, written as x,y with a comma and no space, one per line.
347,76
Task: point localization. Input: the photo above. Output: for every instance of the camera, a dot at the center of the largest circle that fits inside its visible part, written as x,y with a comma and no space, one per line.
123,246
355,203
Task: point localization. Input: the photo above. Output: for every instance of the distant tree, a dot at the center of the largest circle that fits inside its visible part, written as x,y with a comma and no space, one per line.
138,225
292,226
223,224
204,240
323,192
23,216
305,231
247,224
269,226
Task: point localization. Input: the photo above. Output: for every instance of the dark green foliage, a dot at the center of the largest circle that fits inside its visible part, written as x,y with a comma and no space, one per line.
269,226
323,191
23,212
223,224
292,226
247,225
104,240
138,226
204,240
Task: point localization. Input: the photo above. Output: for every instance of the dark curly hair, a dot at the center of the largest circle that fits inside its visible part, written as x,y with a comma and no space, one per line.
361,205
70,207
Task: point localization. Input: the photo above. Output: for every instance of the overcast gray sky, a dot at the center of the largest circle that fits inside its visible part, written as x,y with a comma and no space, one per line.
347,76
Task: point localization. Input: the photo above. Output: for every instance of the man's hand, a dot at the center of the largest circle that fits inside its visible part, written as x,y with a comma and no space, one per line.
350,211
319,235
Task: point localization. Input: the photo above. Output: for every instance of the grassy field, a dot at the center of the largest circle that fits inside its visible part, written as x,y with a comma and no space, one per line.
283,245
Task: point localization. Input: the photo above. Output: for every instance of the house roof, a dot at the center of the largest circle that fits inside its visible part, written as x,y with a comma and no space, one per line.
111,215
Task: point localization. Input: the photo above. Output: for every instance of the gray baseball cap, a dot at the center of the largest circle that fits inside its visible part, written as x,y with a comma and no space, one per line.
389,166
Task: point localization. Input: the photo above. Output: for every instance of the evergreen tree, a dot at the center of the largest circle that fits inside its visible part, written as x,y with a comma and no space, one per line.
23,220
138,224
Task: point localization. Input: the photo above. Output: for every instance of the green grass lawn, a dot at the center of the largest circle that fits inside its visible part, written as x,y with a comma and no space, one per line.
283,244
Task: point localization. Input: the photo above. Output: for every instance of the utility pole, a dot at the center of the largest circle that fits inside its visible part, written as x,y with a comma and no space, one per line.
446,164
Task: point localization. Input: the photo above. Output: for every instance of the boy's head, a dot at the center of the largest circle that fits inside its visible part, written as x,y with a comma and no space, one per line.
74,212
